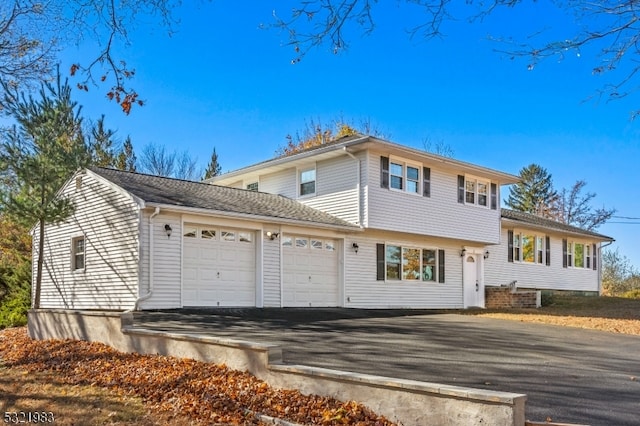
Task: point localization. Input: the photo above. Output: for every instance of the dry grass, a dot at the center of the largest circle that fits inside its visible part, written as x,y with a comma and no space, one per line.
612,314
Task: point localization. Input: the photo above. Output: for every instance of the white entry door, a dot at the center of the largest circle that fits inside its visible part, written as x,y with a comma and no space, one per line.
218,266
473,287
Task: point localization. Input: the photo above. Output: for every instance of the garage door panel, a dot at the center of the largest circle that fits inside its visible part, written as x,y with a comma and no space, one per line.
310,273
218,272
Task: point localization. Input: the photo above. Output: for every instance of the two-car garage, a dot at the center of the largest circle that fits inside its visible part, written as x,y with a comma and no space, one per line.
219,268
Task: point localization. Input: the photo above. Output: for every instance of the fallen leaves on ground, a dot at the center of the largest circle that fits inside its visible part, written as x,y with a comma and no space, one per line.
208,393
612,314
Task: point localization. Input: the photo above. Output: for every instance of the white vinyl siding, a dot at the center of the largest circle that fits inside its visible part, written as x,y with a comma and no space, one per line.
281,183
108,221
271,273
498,271
336,188
439,215
166,265
362,290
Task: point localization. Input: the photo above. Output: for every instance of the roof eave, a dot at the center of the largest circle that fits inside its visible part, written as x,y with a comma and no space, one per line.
253,217
591,235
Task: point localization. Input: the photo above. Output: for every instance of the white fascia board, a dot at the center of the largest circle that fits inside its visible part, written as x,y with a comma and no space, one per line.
291,160
245,216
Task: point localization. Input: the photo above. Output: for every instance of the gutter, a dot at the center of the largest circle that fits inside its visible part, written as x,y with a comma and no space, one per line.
136,306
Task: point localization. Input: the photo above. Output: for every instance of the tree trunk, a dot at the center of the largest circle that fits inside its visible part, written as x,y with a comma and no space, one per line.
36,290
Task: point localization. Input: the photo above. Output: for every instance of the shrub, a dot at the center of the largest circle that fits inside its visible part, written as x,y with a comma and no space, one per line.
17,300
631,294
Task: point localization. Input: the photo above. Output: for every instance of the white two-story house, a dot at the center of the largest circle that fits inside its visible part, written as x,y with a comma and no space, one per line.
359,222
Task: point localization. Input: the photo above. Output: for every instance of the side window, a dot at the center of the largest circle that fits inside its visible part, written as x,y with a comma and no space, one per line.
77,253
308,182
252,186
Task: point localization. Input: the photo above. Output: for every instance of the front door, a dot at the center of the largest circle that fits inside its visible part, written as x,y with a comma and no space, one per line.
473,288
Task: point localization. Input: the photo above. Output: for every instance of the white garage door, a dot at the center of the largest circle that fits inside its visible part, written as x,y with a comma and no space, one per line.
218,267
310,272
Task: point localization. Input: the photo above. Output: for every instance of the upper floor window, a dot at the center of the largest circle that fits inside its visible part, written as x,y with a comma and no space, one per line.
77,253
403,176
308,182
477,191
253,186
528,247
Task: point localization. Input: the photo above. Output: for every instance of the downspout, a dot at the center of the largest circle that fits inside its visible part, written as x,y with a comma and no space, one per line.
360,219
148,295
600,268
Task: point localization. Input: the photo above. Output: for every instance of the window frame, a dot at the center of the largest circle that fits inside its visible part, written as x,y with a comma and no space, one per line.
399,272
538,251
302,183
586,260
487,195
252,186
404,176
75,254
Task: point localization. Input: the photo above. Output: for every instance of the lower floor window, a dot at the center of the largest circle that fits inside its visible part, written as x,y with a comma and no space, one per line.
77,253
409,263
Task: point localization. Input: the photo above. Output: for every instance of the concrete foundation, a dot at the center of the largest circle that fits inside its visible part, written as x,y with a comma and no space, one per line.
407,402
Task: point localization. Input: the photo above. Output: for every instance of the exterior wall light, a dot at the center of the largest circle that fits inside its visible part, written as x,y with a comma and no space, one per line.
355,247
463,252
168,230
272,235
486,254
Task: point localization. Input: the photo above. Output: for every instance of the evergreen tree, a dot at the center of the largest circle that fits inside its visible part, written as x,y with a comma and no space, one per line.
39,154
101,145
534,192
214,168
126,159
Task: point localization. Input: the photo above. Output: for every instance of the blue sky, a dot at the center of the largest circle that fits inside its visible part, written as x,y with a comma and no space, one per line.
221,81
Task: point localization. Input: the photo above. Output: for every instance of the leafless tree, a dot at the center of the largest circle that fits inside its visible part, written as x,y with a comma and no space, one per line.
609,27
574,208
157,160
32,32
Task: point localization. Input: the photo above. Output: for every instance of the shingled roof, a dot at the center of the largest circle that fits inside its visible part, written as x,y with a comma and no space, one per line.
541,222
198,195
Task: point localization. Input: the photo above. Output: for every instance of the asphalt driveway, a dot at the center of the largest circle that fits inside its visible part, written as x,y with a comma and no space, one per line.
570,375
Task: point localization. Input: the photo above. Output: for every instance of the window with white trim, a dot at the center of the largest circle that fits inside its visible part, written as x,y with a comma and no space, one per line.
476,191
579,254
253,186
404,177
528,247
77,253
308,182
400,263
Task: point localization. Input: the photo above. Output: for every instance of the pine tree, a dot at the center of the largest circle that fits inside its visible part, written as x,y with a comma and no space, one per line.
126,158
214,168
534,192
101,145
39,154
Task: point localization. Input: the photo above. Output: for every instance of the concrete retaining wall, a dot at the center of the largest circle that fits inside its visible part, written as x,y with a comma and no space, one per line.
408,402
